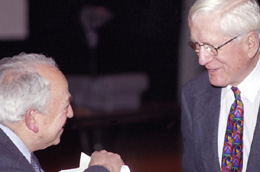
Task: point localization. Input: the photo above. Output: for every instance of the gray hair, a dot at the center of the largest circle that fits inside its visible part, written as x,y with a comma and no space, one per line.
22,87
237,17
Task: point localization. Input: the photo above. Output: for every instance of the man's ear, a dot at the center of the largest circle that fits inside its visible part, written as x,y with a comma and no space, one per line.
30,120
252,42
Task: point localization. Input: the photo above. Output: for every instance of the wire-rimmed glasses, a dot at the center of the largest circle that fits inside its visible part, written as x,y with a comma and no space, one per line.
209,48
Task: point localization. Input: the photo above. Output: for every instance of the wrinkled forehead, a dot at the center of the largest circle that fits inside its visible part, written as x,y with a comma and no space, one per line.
204,27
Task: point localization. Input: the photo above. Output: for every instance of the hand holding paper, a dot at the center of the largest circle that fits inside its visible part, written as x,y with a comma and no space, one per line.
84,162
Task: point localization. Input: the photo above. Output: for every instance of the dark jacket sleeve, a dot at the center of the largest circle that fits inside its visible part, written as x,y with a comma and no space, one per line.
96,168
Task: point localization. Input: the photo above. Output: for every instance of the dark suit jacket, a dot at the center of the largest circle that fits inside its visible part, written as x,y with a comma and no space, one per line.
12,160
200,118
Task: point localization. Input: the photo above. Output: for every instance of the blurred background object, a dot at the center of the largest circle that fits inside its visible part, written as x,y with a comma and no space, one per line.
108,92
92,18
138,37
14,19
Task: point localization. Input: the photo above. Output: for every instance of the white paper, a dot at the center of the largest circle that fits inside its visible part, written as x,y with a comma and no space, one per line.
83,165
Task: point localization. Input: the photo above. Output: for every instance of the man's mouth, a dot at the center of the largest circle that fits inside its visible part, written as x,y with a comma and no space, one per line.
212,70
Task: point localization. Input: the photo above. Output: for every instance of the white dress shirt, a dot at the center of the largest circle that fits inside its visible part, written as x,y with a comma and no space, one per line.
17,141
250,96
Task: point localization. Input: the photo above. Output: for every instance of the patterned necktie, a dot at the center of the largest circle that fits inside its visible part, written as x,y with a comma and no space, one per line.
35,163
232,157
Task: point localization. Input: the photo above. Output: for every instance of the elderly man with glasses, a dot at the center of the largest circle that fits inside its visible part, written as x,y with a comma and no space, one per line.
220,108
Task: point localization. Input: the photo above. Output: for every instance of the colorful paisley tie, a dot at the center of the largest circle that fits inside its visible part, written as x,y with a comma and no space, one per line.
232,157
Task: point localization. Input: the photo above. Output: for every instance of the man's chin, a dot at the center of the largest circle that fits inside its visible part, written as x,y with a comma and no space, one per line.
215,81
217,84
57,139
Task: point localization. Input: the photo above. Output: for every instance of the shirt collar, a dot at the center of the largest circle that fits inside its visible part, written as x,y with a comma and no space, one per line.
249,86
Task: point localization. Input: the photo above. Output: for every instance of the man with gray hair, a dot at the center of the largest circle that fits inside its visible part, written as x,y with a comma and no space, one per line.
220,107
34,107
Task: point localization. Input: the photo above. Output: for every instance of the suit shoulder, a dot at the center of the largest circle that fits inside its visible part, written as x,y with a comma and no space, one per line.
11,159
201,82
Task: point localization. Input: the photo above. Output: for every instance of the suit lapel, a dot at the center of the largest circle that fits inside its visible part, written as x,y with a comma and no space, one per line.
253,164
208,128
9,145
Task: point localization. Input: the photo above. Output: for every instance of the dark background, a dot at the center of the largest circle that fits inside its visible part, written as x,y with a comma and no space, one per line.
142,37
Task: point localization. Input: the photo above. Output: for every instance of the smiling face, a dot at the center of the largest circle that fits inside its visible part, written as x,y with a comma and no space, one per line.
51,125
233,62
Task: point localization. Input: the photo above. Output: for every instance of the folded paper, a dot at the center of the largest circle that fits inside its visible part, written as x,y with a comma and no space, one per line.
83,165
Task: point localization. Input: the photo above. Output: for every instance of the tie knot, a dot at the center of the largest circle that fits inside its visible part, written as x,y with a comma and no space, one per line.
236,92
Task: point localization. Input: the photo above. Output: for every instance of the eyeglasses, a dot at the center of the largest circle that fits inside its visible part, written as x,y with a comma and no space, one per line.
209,48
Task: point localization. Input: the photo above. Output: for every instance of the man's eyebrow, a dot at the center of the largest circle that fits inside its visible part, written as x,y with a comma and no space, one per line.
67,100
70,98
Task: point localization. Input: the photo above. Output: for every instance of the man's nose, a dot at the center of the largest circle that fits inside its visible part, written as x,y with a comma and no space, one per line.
204,56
